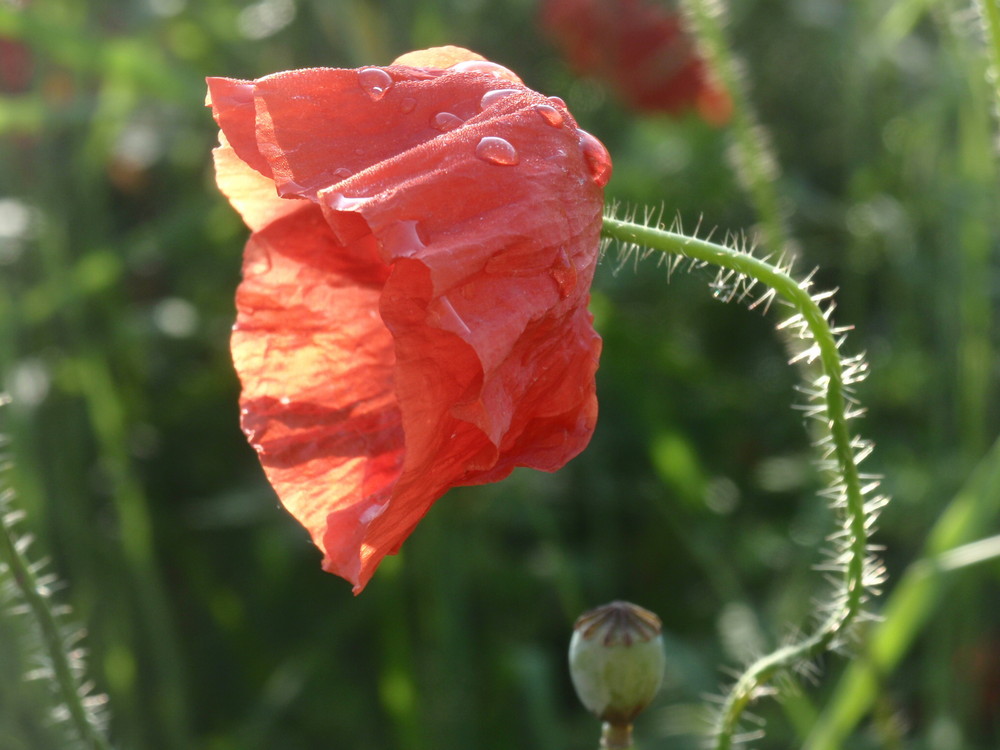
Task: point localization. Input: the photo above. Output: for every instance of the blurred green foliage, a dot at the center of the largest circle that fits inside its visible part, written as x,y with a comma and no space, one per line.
210,623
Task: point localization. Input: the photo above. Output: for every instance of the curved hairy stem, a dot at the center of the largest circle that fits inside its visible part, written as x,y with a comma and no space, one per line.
830,402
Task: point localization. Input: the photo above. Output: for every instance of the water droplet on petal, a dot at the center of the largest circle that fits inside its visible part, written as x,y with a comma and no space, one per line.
497,151
597,157
492,97
342,173
407,105
403,239
341,202
371,513
284,401
487,67
445,121
551,115
558,101
441,313
375,82
564,274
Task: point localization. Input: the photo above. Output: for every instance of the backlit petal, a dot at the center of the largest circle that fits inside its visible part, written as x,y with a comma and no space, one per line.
437,57
417,319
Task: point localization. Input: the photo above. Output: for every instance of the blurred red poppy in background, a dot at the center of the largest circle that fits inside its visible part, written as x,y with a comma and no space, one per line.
412,315
641,51
16,66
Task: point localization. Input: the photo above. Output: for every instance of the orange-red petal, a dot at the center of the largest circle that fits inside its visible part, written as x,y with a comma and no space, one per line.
418,319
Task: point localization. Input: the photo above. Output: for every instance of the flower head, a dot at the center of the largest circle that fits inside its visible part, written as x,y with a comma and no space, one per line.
412,315
639,49
616,661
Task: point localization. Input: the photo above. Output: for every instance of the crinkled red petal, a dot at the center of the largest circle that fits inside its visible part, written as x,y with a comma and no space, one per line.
420,322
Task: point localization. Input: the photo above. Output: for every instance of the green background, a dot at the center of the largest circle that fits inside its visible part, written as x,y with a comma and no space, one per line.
209,623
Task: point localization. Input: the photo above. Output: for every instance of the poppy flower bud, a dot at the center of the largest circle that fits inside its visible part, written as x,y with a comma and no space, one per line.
616,661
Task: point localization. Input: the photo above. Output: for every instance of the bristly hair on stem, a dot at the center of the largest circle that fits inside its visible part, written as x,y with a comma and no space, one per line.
852,565
50,639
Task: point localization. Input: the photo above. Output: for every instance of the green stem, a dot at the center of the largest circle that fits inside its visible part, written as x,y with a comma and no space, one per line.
67,685
846,451
616,737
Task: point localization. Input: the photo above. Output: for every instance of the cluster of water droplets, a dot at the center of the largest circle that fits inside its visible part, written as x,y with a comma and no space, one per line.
376,82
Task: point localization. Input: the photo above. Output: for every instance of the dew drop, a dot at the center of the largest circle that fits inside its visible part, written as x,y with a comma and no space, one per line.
403,239
407,105
341,202
441,313
551,115
558,101
342,173
371,513
597,157
497,151
564,274
375,82
284,401
487,67
492,97
445,121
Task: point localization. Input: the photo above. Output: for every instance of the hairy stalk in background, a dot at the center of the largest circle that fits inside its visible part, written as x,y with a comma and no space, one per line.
989,13
53,642
751,152
853,567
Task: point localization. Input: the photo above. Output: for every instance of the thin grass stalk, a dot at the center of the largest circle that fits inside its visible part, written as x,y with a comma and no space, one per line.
989,13
750,149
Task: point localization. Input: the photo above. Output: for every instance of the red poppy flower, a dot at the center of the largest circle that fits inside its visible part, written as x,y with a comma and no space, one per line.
412,315
641,50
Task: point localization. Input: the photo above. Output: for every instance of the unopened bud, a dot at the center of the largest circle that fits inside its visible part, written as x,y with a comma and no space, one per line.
616,660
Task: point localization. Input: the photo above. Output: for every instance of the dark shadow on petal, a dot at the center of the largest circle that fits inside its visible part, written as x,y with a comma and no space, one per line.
289,434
